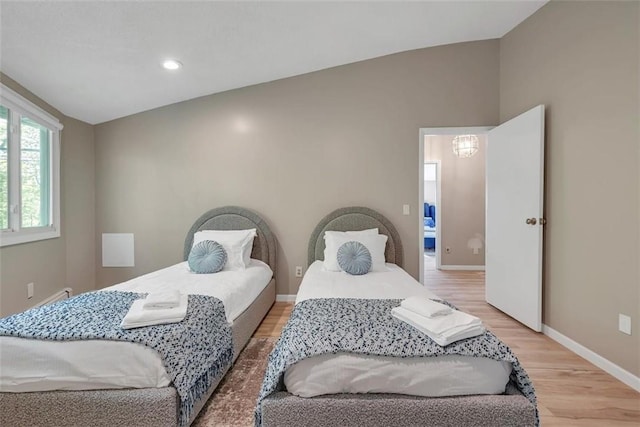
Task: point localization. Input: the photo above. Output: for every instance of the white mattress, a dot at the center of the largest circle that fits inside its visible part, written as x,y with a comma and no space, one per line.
353,373
39,365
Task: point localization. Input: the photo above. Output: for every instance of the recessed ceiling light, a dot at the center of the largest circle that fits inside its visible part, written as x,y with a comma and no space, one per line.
172,64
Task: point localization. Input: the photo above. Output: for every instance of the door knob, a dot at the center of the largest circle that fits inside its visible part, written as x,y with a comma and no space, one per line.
531,221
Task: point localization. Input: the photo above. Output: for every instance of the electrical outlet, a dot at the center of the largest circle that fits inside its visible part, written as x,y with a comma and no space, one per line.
447,250
624,324
29,290
298,271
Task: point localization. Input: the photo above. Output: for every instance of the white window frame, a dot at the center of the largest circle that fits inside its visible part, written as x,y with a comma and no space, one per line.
21,107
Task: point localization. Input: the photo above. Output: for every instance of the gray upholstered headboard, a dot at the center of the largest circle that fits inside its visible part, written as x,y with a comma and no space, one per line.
237,218
355,219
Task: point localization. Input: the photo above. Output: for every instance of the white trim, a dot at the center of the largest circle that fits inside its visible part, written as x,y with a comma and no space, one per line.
609,367
285,298
28,108
56,165
60,295
8,238
22,107
463,267
455,130
421,206
438,245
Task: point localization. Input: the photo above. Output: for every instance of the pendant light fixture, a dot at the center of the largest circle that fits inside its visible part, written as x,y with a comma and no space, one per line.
465,145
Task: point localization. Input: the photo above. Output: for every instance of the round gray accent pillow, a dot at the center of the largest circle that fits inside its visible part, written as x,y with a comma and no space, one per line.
207,257
354,258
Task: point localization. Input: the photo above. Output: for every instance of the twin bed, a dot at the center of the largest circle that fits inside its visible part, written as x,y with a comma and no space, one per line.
321,375
323,387
114,383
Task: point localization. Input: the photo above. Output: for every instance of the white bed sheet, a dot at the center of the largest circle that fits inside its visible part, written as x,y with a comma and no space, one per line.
236,289
40,365
393,283
353,373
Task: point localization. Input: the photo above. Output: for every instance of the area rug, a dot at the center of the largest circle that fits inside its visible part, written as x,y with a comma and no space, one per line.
233,402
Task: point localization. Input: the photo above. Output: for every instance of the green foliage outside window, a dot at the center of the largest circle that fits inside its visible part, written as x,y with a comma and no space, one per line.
34,172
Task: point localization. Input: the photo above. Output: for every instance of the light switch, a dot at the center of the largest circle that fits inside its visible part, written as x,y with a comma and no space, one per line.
406,210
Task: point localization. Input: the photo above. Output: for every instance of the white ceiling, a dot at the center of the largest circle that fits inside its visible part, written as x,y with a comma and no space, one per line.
100,60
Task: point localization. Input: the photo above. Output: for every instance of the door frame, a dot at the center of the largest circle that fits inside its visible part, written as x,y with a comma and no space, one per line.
439,216
438,164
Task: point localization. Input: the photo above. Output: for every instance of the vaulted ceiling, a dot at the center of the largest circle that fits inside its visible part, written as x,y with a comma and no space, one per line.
101,60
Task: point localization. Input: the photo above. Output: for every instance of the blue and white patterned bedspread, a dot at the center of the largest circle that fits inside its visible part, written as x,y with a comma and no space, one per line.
194,351
366,326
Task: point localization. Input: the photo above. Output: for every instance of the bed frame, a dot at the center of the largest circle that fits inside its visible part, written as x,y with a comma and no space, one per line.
283,409
152,407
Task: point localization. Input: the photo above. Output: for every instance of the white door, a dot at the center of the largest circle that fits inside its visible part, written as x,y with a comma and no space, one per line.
514,205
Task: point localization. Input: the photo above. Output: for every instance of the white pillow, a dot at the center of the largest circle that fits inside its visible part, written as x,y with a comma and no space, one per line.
375,243
350,233
237,244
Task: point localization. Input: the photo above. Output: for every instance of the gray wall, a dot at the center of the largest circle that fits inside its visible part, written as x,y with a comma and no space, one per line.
461,216
69,259
78,181
295,149
580,59
292,150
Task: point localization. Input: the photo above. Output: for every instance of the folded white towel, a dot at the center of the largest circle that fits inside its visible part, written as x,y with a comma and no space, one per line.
425,307
164,299
442,332
442,324
138,316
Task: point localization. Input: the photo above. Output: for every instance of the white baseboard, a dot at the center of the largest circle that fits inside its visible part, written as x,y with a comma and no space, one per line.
463,267
609,367
285,298
58,296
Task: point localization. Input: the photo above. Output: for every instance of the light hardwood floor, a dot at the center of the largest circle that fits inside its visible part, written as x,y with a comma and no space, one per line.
277,317
570,390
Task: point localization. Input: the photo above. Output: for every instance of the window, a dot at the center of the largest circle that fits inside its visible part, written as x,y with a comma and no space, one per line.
29,171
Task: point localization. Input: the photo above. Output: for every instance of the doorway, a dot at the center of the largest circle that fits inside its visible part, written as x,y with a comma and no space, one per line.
455,240
514,199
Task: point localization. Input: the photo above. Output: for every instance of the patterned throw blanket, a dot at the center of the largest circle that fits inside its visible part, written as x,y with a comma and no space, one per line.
366,326
195,351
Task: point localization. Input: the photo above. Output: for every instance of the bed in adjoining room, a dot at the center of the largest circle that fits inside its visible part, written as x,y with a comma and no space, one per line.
345,359
97,364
